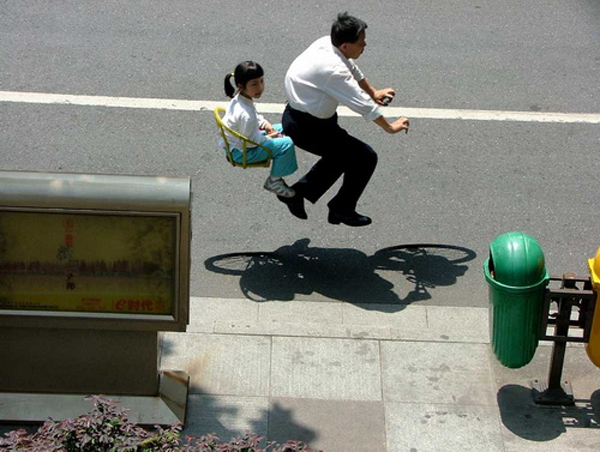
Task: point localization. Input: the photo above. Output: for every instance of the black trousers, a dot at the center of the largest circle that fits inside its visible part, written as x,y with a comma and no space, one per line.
341,154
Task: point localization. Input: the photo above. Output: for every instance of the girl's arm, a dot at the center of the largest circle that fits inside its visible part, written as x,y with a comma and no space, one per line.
268,127
265,125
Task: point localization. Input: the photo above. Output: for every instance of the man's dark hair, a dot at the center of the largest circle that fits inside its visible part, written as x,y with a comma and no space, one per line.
346,28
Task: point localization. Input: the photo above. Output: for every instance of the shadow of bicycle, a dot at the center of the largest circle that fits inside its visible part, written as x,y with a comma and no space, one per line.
342,273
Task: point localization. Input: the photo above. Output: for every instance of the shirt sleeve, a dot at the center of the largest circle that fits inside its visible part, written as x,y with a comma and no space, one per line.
356,72
261,120
343,87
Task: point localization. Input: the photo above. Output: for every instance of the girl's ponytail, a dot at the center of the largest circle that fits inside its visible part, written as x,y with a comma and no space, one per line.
229,89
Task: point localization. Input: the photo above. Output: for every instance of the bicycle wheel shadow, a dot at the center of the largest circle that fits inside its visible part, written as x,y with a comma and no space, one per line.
343,274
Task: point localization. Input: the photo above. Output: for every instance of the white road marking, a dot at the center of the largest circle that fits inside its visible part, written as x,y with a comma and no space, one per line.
202,105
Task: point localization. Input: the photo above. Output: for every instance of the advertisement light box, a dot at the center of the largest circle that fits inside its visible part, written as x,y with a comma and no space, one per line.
94,251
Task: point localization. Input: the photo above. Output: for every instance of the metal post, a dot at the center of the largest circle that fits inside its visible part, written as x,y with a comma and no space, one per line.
555,391
560,346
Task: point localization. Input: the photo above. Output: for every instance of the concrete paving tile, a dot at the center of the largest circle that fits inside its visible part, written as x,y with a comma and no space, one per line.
530,427
341,369
303,330
329,425
431,335
429,372
401,316
226,416
201,327
572,440
368,332
443,428
220,364
459,324
578,370
208,310
300,312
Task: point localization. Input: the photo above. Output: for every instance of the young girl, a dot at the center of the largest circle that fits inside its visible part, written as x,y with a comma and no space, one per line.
241,116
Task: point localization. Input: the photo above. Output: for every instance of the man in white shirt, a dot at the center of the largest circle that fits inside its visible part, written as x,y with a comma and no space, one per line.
321,78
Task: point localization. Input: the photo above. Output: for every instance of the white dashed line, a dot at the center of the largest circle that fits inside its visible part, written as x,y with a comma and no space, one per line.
202,105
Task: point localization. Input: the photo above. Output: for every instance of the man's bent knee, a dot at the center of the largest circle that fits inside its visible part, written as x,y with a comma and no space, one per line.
367,156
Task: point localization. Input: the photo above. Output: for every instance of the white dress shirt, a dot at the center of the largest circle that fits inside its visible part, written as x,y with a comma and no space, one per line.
321,78
241,116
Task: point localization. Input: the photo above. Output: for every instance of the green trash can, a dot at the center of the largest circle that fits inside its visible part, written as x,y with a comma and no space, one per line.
517,277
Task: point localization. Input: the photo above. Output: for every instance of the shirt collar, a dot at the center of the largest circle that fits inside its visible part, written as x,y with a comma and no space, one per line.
244,99
338,52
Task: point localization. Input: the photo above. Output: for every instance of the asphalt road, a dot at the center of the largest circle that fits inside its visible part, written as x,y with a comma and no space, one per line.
451,184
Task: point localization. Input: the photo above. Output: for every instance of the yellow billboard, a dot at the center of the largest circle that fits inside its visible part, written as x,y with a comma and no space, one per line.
84,262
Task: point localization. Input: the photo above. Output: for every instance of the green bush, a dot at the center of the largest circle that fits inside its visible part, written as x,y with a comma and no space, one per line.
106,429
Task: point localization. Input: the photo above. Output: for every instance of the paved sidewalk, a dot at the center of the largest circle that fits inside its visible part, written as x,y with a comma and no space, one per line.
356,378
371,378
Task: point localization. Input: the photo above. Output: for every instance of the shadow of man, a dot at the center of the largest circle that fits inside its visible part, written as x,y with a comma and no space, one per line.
337,273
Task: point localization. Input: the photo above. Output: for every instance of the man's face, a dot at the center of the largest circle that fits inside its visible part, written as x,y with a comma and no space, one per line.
355,49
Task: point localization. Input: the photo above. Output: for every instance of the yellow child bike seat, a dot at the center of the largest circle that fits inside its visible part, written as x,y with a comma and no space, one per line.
224,129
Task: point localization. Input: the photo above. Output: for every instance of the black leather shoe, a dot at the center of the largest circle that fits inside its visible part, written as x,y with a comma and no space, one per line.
296,206
354,219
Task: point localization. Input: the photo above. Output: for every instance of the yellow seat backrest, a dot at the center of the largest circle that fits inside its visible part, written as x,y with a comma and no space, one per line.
245,140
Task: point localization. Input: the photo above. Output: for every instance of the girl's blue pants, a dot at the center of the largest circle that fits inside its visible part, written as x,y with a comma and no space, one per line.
284,154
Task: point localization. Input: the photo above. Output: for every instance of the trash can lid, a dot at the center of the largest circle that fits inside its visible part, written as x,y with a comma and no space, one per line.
517,259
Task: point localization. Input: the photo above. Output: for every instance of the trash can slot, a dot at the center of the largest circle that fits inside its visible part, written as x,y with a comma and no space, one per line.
491,268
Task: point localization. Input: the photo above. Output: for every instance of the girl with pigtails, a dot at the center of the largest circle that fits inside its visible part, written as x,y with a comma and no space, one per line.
241,116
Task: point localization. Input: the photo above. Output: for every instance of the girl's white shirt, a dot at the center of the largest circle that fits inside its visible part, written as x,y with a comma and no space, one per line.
241,116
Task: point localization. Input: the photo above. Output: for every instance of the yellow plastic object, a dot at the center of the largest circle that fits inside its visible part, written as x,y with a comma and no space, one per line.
245,140
593,346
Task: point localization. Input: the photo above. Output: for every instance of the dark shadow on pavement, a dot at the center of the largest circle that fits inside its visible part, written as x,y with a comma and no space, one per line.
425,266
533,422
230,416
283,427
343,274
209,414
